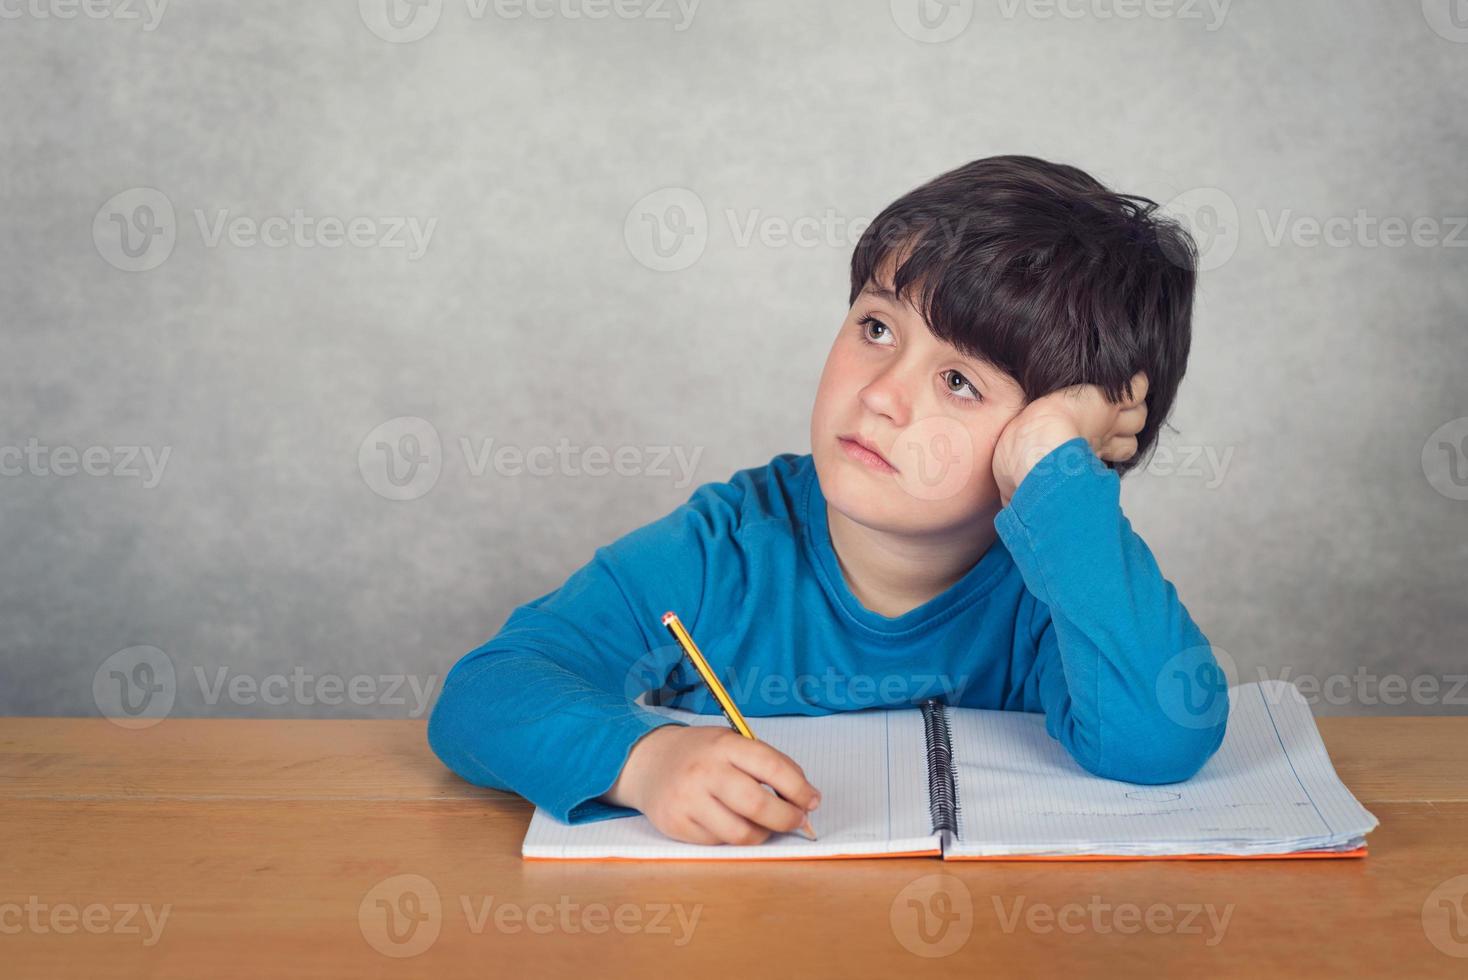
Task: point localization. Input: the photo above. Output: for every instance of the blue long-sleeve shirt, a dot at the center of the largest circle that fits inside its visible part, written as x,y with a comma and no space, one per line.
1066,614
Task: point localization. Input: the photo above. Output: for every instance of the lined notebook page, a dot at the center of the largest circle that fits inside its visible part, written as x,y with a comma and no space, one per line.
871,769
1269,789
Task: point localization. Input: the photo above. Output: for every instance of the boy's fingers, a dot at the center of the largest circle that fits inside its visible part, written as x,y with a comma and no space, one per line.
771,766
696,833
1132,420
1120,450
728,826
748,798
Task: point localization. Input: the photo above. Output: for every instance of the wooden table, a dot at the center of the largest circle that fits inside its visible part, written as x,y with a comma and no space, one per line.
279,848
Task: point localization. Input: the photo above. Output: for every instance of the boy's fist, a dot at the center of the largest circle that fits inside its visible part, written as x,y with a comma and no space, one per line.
1056,418
705,785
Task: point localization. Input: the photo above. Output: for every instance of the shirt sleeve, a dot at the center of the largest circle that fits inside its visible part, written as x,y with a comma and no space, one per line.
546,707
1128,683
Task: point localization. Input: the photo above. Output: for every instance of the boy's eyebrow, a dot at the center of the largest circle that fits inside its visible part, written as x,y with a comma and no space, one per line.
881,292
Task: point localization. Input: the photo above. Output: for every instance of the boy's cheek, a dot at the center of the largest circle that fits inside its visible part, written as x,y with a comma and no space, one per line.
964,492
936,458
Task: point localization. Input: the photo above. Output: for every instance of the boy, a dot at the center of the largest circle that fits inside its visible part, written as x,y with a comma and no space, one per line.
1016,336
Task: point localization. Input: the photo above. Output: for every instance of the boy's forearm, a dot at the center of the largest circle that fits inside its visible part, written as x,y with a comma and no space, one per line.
1115,624
547,708
520,721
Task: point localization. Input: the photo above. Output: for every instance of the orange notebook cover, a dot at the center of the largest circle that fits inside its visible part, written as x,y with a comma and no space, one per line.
966,784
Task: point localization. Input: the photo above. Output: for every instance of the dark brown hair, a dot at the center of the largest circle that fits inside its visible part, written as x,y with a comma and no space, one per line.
1038,269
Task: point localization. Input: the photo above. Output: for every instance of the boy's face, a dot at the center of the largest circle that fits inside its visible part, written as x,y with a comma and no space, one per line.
934,414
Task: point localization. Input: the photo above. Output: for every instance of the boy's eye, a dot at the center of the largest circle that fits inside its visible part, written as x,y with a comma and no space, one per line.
958,383
867,324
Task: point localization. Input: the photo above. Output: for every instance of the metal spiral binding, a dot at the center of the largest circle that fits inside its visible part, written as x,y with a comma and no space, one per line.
942,778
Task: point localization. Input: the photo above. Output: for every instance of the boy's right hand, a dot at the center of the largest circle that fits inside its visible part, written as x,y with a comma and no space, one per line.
706,785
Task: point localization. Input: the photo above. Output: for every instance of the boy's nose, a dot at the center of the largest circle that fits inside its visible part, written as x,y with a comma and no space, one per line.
887,396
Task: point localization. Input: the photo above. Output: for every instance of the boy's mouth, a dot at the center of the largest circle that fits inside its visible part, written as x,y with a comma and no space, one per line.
863,452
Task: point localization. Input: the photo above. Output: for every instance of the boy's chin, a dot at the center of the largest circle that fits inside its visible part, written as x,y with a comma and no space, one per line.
887,503
913,527
883,505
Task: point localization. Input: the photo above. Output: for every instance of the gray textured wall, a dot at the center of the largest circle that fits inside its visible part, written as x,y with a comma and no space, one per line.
1311,515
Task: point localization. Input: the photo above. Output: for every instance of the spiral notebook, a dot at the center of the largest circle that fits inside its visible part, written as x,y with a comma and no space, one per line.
970,784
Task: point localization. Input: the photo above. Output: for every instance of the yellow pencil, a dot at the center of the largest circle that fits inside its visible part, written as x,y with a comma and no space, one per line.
731,710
